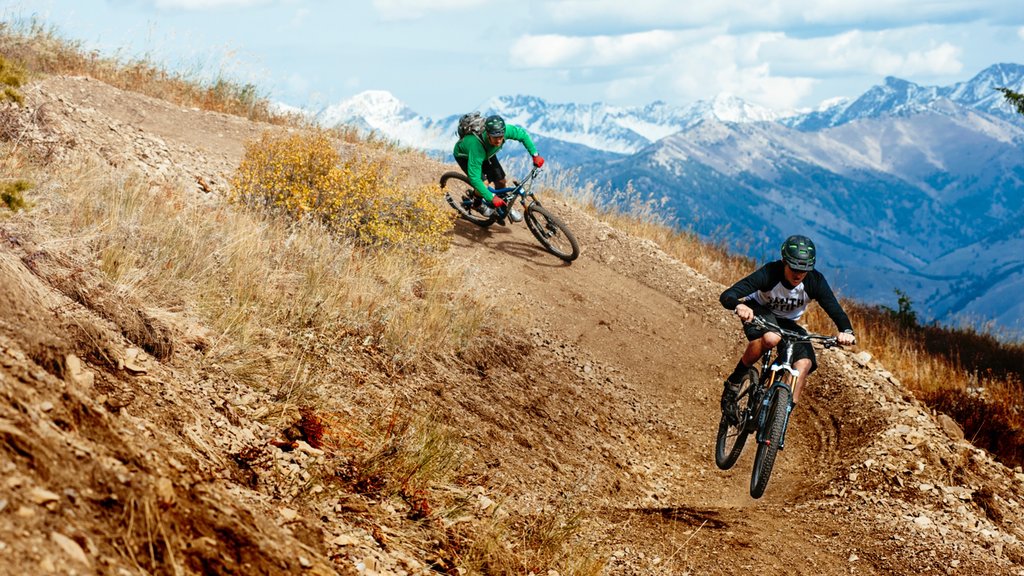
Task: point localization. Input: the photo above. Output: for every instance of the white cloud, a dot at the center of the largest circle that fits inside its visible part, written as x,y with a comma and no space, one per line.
908,52
734,65
555,51
780,14
413,9
768,68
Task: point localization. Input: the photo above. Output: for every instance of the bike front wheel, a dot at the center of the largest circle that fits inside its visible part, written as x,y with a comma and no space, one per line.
552,233
462,197
775,429
732,437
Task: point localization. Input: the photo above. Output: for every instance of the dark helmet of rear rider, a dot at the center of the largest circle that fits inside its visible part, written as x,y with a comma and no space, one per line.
494,125
798,252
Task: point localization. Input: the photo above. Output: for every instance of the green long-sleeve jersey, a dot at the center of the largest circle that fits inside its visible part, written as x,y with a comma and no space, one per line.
476,150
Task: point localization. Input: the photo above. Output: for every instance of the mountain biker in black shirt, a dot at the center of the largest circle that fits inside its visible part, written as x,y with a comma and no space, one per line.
780,292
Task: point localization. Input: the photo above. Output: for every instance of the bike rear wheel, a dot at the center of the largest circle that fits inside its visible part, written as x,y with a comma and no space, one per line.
461,196
552,233
775,428
732,437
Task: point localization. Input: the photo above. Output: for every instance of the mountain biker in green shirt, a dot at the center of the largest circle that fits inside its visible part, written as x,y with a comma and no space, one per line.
477,156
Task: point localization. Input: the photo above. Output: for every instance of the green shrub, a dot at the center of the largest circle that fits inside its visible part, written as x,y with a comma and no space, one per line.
301,177
11,195
12,77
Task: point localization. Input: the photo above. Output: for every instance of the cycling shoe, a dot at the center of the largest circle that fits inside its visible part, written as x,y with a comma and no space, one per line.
730,408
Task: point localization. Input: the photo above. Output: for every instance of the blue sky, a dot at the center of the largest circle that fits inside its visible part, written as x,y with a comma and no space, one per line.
442,57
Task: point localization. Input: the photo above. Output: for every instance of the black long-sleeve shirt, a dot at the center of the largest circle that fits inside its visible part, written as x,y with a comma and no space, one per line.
767,286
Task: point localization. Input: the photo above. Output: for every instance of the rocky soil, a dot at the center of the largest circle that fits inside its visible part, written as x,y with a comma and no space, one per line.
116,430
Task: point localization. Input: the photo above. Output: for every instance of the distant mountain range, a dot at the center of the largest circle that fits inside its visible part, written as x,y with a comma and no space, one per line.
909,187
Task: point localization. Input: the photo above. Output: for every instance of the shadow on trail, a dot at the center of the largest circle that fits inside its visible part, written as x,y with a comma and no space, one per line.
500,239
682,514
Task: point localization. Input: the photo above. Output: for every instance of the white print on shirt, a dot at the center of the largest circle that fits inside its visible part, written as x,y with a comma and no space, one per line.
783,302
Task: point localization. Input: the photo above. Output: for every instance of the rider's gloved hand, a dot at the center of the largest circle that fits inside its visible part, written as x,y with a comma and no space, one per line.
846,339
538,161
497,202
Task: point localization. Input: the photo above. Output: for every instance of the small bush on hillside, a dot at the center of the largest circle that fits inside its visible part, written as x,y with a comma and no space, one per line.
12,77
11,195
301,177
904,315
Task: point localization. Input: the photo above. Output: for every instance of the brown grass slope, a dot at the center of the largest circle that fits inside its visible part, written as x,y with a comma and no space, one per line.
573,433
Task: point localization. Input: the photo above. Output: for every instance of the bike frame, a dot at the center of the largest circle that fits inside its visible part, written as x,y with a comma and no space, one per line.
520,192
771,371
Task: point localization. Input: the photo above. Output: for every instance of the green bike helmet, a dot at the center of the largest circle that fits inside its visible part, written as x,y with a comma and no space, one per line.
494,126
798,252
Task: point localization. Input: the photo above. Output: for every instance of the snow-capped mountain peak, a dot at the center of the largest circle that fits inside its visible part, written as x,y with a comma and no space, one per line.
375,108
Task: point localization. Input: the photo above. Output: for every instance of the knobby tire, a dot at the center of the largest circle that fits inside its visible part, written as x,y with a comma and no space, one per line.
458,195
732,437
552,233
775,425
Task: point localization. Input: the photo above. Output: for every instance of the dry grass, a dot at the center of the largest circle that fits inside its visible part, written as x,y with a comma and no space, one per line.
527,543
404,454
43,51
280,298
414,458
285,303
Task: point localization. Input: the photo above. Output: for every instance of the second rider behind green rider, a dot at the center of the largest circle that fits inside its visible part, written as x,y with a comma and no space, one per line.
780,292
477,156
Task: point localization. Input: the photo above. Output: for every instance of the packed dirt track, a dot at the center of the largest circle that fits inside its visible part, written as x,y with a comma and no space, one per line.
116,430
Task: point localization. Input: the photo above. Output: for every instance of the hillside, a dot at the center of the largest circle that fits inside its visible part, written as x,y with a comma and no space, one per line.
897,184
129,448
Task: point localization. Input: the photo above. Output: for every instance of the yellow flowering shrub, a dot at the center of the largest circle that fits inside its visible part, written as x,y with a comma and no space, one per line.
302,177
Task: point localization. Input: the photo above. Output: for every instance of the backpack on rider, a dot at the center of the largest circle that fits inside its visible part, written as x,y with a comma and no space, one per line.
471,123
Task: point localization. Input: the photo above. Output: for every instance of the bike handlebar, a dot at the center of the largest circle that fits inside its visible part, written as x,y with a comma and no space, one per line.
826,341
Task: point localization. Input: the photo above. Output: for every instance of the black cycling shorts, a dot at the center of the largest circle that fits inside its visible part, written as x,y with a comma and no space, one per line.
800,350
490,170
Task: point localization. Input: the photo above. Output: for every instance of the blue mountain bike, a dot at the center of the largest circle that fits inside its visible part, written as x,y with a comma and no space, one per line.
765,404
547,228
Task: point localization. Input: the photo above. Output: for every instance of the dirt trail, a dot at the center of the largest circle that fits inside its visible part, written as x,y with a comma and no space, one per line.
616,406
658,324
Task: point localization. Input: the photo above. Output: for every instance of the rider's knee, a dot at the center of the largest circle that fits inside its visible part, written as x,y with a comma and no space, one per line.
770,339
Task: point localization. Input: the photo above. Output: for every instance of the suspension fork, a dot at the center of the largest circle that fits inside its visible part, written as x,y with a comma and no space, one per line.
777,380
